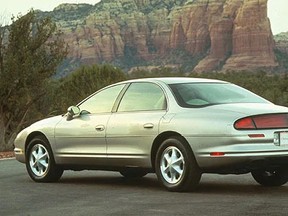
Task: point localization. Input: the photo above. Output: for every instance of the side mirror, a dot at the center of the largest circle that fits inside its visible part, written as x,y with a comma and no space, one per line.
72,111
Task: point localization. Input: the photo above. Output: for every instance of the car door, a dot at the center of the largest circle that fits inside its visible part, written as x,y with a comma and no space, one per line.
132,129
82,139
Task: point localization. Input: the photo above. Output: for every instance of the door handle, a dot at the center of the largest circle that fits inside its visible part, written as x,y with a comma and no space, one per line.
99,128
148,125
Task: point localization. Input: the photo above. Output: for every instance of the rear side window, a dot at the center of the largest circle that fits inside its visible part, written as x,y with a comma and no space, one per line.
143,97
205,94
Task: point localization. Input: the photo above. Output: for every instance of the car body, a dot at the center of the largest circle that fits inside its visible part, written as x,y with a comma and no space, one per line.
176,127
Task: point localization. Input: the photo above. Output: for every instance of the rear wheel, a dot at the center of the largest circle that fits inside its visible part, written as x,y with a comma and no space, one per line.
133,172
40,162
271,177
176,167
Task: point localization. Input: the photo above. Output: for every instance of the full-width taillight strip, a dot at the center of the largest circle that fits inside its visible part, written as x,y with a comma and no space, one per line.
268,121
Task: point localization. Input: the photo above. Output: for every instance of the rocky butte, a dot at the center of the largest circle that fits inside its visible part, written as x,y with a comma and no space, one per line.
215,34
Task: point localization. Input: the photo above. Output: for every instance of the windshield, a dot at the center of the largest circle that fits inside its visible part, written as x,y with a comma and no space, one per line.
205,94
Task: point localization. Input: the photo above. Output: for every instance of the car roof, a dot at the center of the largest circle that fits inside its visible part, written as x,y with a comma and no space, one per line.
175,80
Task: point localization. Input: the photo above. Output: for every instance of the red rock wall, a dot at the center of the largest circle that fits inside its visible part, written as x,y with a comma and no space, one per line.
232,34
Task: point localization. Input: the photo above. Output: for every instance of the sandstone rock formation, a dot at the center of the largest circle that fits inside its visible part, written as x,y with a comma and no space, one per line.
252,37
227,34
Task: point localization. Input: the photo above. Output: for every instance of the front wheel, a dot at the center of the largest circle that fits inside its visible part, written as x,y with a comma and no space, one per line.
40,162
271,177
176,167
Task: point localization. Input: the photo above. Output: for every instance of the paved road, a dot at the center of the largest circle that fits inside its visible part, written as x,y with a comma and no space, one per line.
107,193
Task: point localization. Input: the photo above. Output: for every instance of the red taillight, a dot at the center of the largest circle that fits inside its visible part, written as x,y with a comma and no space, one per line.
245,123
271,121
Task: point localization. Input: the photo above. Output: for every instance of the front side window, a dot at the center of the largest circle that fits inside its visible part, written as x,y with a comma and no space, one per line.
143,97
102,101
205,94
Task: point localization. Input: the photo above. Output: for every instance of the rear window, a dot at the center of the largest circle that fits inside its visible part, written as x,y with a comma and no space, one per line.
206,94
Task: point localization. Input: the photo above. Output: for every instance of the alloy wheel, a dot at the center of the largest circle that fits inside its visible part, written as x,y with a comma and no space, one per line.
172,165
39,160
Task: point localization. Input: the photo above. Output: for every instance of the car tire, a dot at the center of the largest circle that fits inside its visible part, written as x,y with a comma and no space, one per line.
176,167
133,172
270,178
40,162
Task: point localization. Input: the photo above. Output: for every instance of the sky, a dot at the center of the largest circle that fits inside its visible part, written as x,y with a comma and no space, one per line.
277,10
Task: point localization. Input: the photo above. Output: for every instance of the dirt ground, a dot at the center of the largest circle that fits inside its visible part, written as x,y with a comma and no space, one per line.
6,154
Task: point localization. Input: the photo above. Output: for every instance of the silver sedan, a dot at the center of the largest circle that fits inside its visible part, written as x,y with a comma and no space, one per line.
178,128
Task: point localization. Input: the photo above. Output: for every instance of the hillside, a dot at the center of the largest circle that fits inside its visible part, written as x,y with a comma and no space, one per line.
281,41
199,35
281,50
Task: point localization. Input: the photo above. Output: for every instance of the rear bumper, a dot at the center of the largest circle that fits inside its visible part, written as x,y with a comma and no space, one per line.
239,165
238,154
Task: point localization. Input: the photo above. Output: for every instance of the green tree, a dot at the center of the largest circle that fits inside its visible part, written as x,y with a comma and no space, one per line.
30,51
83,82
155,72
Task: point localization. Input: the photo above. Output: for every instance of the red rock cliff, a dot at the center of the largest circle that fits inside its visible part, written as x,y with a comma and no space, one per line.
230,34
